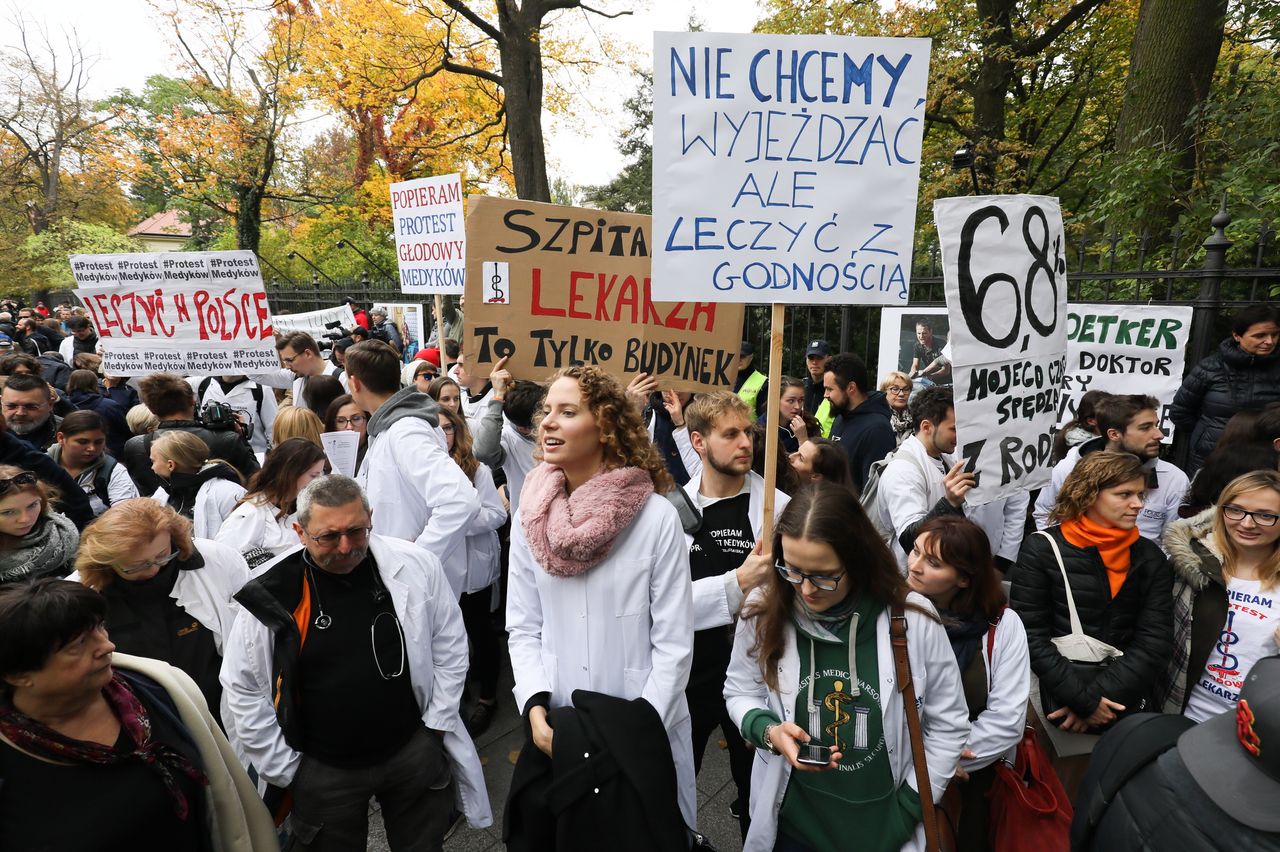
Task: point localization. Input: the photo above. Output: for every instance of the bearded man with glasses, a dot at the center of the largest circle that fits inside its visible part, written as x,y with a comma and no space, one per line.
344,675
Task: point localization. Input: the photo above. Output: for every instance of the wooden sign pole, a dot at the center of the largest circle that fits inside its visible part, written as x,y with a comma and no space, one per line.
439,327
771,422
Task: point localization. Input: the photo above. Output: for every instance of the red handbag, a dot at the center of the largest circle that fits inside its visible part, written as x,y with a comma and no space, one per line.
1029,807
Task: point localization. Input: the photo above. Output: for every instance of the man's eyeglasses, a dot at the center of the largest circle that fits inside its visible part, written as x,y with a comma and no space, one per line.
353,420
1262,519
288,362
151,563
821,582
355,534
19,481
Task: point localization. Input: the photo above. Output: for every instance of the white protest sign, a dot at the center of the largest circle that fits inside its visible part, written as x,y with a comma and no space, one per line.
1005,280
431,245
177,312
907,333
315,323
341,448
407,317
1125,349
786,166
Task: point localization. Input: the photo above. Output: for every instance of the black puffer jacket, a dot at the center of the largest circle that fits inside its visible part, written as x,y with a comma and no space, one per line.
1138,621
1224,383
225,444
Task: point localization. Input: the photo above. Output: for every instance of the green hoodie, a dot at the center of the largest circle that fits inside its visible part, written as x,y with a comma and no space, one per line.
856,805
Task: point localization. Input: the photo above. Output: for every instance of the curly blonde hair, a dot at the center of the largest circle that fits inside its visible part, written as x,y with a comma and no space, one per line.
1092,475
626,440
113,539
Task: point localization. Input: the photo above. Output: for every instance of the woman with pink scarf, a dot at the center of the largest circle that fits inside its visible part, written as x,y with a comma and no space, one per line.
599,595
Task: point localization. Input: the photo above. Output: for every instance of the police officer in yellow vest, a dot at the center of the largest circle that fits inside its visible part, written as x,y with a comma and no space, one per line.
815,361
751,383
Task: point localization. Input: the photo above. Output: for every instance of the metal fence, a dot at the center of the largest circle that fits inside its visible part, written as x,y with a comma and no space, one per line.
1102,267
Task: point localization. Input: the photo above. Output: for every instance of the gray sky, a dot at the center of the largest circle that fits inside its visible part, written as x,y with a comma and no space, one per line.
125,38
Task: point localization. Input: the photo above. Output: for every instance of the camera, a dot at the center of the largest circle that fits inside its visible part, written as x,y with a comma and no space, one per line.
219,417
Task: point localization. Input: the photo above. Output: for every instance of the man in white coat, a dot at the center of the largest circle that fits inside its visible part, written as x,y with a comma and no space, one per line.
923,479
418,493
726,561
1127,423
343,676
300,355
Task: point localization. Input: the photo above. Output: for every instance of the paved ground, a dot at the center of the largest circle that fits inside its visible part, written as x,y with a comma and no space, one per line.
502,741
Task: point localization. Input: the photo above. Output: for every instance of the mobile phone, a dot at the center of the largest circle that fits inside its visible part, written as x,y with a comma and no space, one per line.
971,466
813,755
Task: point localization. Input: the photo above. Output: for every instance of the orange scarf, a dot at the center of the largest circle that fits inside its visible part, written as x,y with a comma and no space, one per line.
1113,545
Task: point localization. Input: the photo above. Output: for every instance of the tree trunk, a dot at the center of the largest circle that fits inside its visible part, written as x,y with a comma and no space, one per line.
991,88
1175,52
521,54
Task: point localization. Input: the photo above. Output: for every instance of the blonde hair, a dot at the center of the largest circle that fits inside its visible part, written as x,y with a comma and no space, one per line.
141,420
1092,475
187,452
113,539
705,411
1258,480
294,422
626,439
894,376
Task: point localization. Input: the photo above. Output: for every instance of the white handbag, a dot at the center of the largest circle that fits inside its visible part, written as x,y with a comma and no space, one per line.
1078,646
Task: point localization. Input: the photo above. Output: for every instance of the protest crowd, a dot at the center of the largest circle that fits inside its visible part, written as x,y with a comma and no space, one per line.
218,634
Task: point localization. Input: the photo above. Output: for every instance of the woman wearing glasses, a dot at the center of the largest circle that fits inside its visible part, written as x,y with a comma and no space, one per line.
897,391
813,665
168,594
345,416
599,593
1226,564
35,541
261,527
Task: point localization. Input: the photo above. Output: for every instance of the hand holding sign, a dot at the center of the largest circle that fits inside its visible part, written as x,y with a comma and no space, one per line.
958,483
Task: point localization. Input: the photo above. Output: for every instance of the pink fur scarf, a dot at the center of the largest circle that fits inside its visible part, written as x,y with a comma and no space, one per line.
572,533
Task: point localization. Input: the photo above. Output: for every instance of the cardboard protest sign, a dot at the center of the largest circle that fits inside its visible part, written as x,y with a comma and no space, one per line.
574,287
430,242
315,323
407,317
786,166
1125,349
177,312
1006,288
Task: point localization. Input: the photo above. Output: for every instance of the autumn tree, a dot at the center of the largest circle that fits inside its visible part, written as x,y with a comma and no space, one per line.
224,145
516,32
51,132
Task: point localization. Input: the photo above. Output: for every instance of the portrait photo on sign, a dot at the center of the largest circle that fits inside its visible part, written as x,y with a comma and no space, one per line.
920,341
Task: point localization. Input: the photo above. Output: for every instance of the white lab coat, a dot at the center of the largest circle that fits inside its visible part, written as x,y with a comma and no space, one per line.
1160,510
214,503
483,551
1004,521
943,716
286,378
436,653
623,628
717,600
254,524
241,399
999,727
417,492
910,488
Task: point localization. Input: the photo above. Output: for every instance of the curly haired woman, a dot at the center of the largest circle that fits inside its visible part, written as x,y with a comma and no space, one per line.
599,596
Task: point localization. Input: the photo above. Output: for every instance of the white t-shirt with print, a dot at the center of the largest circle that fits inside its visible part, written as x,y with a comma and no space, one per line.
1247,636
